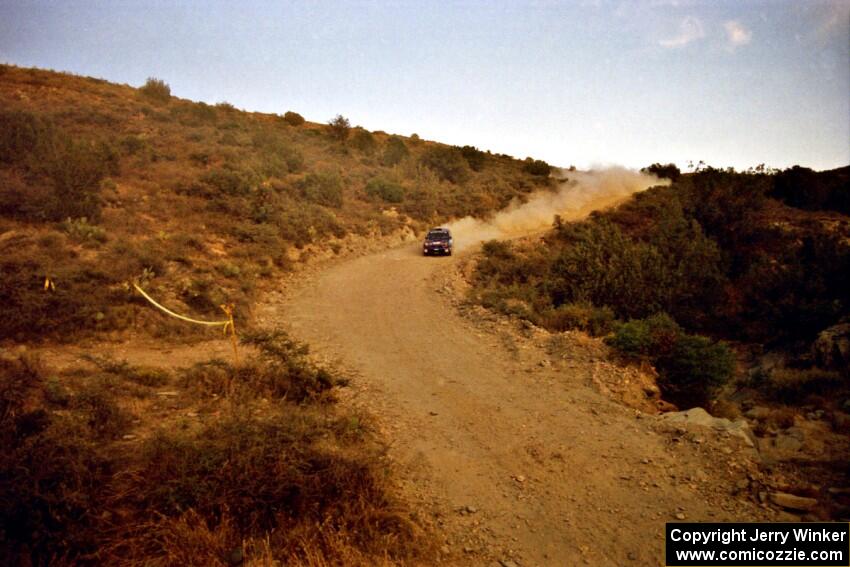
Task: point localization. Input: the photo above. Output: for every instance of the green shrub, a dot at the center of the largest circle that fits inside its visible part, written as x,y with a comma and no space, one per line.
447,162
132,145
339,127
646,338
82,230
386,190
20,134
277,156
293,118
364,142
394,151
474,157
303,223
230,181
537,167
691,367
323,188
695,370
156,90
669,171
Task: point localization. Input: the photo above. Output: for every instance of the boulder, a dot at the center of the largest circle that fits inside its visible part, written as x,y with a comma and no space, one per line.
832,347
793,502
701,418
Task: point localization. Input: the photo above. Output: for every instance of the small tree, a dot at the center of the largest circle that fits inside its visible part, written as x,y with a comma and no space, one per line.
394,151
446,162
364,141
156,89
293,118
340,127
669,171
537,167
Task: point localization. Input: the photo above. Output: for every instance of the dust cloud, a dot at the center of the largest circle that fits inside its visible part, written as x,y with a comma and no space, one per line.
580,193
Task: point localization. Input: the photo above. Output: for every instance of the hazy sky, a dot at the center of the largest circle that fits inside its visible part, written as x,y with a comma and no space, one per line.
585,82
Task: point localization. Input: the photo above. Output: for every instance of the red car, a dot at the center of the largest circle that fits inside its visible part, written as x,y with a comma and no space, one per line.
438,241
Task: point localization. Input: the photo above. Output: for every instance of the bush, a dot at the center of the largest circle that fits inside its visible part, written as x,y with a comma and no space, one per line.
339,127
20,134
302,223
537,167
75,170
595,321
306,481
82,230
394,151
229,181
669,171
323,188
447,162
364,142
156,90
386,190
806,189
646,338
474,157
691,368
277,156
293,118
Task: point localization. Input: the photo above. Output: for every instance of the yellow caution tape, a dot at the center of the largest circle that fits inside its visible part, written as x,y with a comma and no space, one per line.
226,325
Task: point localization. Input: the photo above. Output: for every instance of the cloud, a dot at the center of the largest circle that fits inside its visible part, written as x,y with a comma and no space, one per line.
737,34
690,29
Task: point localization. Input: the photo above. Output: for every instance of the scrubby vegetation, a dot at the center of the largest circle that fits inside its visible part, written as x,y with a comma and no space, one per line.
102,185
713,252
265,467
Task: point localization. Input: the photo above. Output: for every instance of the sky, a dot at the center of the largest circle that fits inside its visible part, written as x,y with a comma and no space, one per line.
585,83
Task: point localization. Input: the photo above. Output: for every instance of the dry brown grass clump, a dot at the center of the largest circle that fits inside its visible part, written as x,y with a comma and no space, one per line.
272,470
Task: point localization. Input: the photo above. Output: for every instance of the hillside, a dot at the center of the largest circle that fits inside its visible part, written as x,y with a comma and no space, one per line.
144,439
104,184
511,404
739,301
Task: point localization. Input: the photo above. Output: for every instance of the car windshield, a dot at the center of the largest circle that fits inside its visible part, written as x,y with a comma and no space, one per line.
437,236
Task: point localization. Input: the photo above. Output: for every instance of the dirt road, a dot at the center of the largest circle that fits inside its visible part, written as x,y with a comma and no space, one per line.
518,459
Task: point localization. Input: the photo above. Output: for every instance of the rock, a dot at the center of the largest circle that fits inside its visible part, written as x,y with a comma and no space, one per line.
787,443
680,516
128,437
792,501
445,550
757,412
701,418
471,509
508,563
832,347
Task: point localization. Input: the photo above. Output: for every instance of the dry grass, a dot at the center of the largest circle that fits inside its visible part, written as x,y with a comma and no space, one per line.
268,469
201,202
